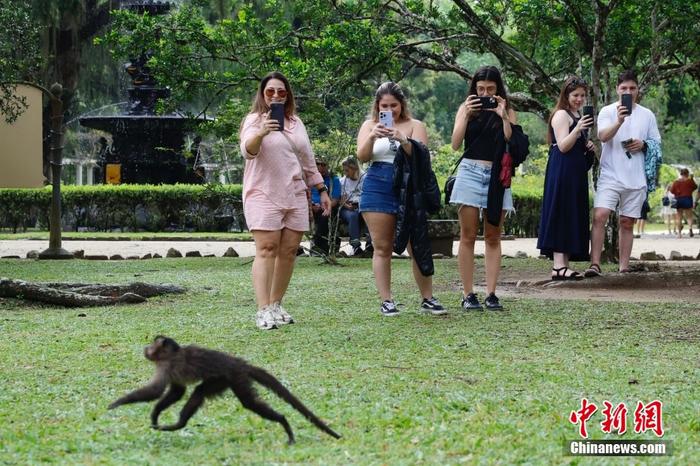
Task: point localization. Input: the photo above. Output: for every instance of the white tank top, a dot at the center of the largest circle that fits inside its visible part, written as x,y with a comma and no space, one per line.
384,150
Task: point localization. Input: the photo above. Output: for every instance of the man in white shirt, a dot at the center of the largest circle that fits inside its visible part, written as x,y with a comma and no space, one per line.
622,182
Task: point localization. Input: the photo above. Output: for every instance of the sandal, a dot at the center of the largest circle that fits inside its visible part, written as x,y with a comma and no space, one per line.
593,271
561,274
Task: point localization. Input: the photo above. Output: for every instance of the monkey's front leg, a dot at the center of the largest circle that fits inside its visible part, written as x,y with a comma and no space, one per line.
150,392
190,408
172,396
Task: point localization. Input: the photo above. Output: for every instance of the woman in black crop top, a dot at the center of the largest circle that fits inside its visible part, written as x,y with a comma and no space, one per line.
485,132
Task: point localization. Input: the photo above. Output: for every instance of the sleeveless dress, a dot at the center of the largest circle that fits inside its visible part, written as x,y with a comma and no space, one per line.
565,215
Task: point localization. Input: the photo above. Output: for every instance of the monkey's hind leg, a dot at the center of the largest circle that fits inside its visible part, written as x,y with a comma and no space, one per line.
172,396
203,390
249,400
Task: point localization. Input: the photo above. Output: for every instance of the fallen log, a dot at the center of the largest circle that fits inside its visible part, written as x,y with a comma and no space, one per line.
83,294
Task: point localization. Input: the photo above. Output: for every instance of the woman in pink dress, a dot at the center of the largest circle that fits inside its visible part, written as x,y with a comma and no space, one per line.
279,168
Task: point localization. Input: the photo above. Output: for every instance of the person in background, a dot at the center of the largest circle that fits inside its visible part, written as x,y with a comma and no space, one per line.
351,188
279,167
642,221
683,189
322,223
668,210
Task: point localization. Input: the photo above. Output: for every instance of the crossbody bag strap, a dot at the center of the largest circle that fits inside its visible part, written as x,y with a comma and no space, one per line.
297,153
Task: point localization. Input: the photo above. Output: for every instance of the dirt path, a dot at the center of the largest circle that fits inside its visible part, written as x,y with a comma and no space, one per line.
664,282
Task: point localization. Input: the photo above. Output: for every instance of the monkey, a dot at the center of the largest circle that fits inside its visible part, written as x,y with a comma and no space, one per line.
179,366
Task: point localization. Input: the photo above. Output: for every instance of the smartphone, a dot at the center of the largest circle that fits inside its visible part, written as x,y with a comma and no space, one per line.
588,110
277,113
627,142
626,100
386,118
488,102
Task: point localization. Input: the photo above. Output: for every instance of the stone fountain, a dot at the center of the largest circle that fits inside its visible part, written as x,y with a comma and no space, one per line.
146,148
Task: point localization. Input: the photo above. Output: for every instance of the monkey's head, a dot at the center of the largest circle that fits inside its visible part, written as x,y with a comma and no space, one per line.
162,349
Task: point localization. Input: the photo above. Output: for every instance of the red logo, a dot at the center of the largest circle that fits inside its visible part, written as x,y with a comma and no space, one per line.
583,415
646,417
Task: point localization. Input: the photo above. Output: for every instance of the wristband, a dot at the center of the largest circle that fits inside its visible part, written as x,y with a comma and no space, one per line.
322,189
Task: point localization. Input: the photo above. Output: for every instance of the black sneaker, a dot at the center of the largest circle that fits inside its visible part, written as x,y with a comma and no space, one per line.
389,308
492,303
471,303
432,306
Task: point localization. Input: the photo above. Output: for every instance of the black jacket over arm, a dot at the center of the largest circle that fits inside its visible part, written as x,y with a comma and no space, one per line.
419,195
519,148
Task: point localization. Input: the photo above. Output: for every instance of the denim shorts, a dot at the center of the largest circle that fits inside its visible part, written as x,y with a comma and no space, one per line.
471,186
685,202
378,190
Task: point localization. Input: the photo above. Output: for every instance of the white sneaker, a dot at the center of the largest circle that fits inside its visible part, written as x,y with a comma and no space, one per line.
265,318
280,314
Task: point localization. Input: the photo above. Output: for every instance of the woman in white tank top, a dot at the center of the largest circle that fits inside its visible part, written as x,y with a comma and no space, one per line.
379,143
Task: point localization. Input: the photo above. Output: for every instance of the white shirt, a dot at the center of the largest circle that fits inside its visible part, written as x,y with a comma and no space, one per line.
384,151
615,167
351,188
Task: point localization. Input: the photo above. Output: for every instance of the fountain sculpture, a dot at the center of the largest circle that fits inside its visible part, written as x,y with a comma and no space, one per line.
146,148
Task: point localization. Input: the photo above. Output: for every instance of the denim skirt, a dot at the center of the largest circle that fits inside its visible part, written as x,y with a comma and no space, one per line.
471,186
377,189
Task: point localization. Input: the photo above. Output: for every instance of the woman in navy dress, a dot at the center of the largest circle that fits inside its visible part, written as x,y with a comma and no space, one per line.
564,232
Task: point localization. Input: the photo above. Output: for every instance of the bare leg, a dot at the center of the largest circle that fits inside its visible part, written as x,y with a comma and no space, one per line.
492,253
689,218
679,222
468,228
600,218
626,239
425,284
381,229
560,260
267,245
284,265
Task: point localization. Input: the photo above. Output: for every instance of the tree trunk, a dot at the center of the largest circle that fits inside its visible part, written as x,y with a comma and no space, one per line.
83,294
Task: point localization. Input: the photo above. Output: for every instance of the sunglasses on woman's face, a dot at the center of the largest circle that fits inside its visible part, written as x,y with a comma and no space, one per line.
270,92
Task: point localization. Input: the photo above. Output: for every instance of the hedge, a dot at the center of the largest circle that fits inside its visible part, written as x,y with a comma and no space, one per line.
130,207
179,207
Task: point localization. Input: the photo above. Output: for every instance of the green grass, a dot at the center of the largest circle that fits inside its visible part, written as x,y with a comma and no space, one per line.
467,388
132,236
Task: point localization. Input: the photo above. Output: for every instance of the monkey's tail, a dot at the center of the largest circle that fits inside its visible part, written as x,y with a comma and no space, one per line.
268,380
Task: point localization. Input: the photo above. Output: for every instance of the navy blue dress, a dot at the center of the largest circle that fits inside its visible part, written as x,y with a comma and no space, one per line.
565,217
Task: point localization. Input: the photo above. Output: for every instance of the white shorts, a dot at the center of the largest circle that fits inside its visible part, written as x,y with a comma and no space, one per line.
630,201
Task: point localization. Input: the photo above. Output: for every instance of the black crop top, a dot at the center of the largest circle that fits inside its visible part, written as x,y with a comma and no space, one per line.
484,137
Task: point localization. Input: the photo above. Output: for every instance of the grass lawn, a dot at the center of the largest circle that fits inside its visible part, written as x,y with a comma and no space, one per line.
466,388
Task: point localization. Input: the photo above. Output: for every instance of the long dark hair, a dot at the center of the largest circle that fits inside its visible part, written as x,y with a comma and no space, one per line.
259,106
393,89
570,85
490,73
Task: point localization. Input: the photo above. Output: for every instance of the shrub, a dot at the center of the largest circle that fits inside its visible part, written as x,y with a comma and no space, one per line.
134,207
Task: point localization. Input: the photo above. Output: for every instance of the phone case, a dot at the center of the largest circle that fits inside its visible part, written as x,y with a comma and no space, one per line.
488,102
277,113
626,100
386,118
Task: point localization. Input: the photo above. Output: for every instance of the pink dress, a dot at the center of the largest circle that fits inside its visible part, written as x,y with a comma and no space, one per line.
274,186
